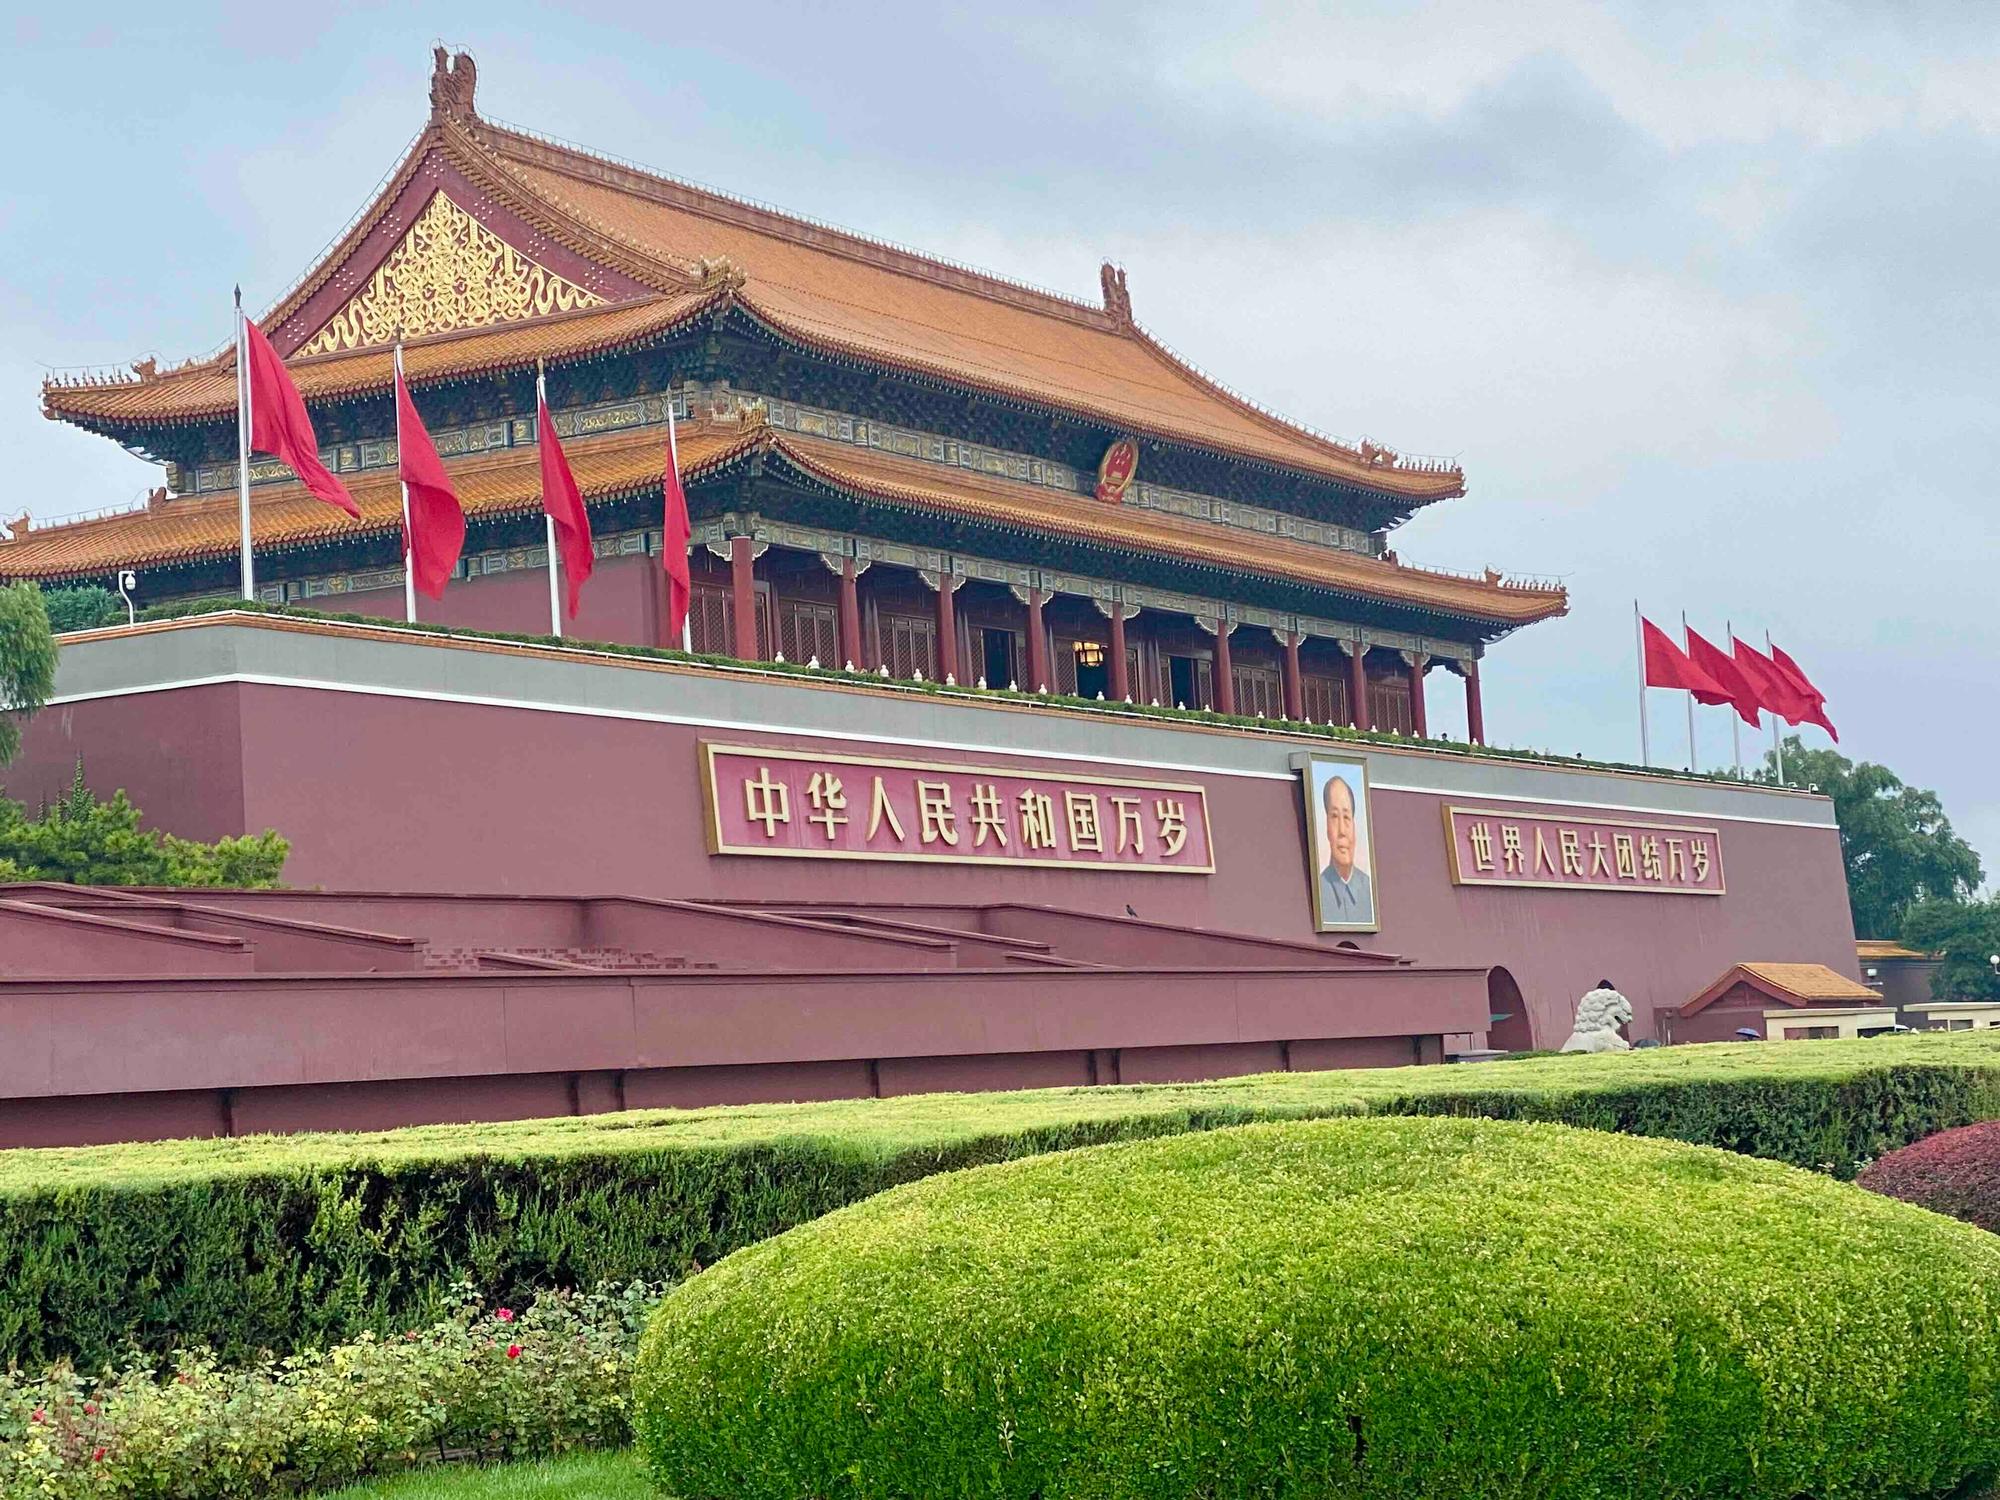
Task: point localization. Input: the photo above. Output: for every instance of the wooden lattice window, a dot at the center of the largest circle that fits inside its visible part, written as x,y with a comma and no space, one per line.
711,625
1259,690
1389,704
1324,698
808,630
909,645
712,619
1065,666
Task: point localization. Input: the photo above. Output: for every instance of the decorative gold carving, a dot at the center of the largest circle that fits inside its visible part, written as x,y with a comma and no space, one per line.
450,271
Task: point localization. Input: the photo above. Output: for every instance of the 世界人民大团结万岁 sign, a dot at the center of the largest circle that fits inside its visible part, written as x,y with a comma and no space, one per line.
1581,853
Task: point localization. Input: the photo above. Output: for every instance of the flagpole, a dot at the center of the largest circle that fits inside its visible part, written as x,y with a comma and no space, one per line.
548,520
243,448
674,458
1645,739
1735,719
1777,736
1693,764
409,540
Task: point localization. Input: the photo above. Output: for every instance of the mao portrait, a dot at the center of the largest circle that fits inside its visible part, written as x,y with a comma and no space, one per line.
1342,845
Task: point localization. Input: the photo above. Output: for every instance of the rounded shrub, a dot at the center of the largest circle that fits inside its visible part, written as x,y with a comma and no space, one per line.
1954,1172
1370,1307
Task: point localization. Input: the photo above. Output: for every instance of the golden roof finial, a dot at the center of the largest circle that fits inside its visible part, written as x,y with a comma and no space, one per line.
720,271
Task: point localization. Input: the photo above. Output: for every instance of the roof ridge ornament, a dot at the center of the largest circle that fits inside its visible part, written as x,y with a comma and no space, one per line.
719,271
452,81
1117,300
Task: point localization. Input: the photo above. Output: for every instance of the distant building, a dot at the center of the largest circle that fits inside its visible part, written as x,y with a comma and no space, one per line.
1904,977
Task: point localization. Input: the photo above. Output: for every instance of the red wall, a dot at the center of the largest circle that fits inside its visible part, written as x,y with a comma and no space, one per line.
407,794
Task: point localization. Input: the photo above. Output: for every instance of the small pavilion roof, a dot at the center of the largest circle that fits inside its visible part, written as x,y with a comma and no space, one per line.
1869,950
827,290
616,465
1797,985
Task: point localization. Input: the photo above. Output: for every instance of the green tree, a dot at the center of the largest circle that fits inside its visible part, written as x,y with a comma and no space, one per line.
1897,843
1967,933
27,662
81,840
84,607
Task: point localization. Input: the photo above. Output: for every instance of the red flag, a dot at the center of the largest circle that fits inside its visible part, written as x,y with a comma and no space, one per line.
1816,714
434,531
1667,665
1736,690
279,425
1774,690
564,503
674,543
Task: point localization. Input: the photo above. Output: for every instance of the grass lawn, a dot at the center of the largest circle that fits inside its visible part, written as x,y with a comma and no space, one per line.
590,1476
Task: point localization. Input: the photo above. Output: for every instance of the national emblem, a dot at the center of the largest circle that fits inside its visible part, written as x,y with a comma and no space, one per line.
1115,470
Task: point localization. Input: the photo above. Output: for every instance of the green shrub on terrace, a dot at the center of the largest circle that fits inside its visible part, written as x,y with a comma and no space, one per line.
1361,1307
284,1242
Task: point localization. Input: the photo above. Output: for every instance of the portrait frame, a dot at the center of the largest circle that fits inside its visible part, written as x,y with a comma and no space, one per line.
1316,772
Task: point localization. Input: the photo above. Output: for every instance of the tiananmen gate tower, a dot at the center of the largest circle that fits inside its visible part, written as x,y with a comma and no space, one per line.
891,460
1055,715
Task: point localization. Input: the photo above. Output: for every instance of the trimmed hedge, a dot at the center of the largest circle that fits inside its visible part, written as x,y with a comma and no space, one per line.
1354,1307
1954,1172
286,1242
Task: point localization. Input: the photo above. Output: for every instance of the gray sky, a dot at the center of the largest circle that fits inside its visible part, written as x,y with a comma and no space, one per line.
1703,297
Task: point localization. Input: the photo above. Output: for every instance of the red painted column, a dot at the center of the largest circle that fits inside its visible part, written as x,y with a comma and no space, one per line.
1038,645
1475,714
1225,677
1121,683
947,628
1294,689
1419,722
1357,685
743,597
850,617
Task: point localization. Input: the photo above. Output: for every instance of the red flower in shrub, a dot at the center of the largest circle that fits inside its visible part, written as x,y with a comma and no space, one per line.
98,1456
1954,1172
504,1314
513,1351
90,1408
39,1414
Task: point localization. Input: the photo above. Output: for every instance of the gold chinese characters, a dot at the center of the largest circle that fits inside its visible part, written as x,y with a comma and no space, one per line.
763,800
1507,849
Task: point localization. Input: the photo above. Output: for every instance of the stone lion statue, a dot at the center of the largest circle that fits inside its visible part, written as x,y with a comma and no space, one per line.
1599,1014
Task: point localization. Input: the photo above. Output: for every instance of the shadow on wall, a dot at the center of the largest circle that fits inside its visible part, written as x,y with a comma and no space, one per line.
1509,1029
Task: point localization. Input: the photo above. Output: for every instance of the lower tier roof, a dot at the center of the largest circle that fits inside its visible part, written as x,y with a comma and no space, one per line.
613,466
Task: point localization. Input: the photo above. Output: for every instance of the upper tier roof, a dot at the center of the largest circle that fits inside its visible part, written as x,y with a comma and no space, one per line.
608,234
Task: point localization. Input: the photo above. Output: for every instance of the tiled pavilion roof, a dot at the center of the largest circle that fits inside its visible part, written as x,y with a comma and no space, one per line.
1788,984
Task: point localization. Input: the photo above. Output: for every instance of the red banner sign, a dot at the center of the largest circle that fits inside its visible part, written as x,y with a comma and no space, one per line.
1593,854
805,805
